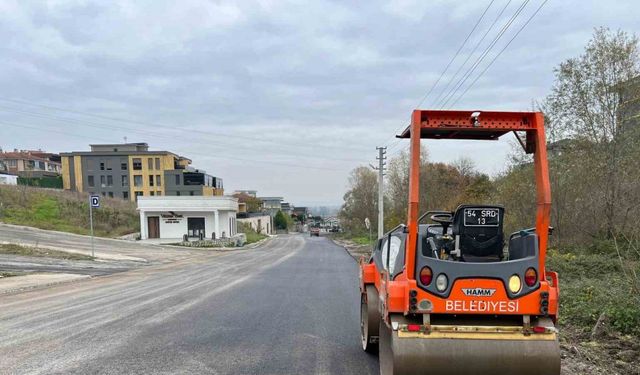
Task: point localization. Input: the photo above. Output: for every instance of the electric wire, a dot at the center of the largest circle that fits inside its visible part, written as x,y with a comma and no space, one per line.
306,166
449,63
169,137
473,51
481,58
499,53
169,127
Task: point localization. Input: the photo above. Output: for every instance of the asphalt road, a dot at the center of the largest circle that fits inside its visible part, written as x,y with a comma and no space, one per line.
288,307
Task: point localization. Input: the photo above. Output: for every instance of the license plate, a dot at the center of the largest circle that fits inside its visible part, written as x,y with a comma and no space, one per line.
481,217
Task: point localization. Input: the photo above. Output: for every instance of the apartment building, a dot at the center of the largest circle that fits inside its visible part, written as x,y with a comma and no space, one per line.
31,163
130,170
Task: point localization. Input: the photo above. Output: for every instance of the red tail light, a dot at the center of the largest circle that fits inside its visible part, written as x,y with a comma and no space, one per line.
538,329
413,327
530,277
426,276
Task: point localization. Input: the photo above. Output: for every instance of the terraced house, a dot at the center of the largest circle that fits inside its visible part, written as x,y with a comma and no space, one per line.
130,170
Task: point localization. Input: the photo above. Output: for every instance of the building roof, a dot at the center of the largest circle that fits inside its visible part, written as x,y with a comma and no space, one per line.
23,155
166,203
143,144
119,153
271,198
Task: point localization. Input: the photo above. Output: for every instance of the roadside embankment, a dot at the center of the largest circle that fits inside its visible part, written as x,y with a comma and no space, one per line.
356,249
66,211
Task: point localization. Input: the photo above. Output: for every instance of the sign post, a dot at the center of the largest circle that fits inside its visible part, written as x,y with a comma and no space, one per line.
94,202
367,224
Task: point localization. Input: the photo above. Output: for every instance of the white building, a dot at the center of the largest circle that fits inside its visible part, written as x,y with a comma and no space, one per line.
172,217
8,179
260,222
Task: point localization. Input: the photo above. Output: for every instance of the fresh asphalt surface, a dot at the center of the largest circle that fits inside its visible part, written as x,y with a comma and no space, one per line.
288,307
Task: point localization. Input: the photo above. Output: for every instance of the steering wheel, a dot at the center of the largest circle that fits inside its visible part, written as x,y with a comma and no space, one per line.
442,218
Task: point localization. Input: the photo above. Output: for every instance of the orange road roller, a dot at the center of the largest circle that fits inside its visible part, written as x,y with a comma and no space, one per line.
441,294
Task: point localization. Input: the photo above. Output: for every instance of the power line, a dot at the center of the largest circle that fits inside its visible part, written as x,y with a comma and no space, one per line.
173,128
450,62
473,51
500,53
456,54
21,126
479,60
156,135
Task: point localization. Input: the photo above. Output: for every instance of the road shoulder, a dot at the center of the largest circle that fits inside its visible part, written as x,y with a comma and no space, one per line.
18,284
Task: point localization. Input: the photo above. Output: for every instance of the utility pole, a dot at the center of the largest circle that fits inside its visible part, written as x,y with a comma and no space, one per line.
381,168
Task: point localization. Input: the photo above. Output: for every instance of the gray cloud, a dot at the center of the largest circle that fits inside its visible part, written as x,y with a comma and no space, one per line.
317,80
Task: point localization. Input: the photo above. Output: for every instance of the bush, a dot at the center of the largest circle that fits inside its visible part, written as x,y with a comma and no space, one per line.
595,284
252,235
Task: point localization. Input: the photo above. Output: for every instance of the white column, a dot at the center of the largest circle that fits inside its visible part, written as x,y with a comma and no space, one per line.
143,225
216,225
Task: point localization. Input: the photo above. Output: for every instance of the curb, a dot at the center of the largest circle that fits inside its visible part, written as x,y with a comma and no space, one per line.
44,285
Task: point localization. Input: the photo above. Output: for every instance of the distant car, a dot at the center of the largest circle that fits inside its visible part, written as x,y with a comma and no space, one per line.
314,232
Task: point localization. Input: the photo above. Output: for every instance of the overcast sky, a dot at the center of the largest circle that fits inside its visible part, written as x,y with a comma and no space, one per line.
281,97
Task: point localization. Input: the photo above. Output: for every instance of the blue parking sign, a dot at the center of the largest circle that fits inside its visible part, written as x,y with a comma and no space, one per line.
95,201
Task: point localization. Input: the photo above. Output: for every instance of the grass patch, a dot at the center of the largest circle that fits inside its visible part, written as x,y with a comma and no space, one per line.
13,249
595,284
252,235
358,239
66,211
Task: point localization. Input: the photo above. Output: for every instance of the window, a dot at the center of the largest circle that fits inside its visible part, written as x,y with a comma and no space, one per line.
109,180
104,194
150,163
191,192
158,180
150,180
125,180
111,194
108,164
103,181
12,163
395,249
138,194
152,193
177,193
137,164
158,163
159,193
90,181
102,166
123,166
137,180
125,194
177,179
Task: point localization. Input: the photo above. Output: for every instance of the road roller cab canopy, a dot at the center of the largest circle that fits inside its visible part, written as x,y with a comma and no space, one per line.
479,125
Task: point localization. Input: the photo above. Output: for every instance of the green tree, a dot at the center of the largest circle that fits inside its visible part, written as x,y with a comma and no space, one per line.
360,201
595,140
280,221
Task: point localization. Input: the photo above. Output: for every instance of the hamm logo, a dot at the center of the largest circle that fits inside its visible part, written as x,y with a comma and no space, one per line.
478,292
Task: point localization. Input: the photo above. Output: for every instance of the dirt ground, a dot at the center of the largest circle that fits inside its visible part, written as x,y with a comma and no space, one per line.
603,354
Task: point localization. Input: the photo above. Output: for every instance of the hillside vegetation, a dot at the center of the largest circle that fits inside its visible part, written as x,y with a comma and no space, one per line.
66,211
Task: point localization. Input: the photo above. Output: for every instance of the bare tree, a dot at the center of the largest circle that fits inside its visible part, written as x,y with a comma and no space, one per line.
589,105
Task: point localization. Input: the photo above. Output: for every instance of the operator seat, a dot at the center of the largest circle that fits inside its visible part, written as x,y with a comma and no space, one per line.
478,234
